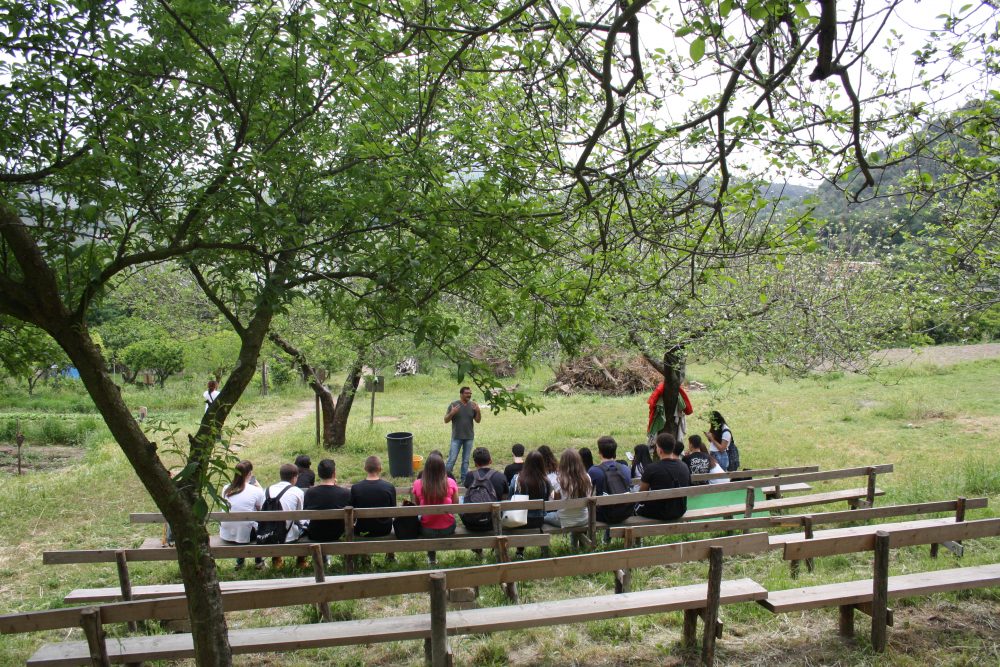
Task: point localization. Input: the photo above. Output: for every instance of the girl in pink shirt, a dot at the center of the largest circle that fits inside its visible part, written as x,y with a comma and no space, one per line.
435,488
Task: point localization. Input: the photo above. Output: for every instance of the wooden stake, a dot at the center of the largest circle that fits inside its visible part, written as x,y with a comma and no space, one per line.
689,638
592,522
807,525
349,537
90,619
711,615
125,581
439,619
503,556
846,628
870,494
319,572
880,591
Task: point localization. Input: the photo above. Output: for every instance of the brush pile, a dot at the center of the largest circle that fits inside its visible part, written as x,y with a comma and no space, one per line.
607,373
500,366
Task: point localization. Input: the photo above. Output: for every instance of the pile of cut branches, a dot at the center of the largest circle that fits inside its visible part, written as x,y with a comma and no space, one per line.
608,373
500,365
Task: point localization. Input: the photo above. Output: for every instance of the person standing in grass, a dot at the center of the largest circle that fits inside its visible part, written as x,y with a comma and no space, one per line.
211,393
463,415
435,488
574,482
723,444
242,495
667,473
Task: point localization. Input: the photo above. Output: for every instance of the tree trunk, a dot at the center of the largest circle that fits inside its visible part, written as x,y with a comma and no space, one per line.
325,396
673,373
346,400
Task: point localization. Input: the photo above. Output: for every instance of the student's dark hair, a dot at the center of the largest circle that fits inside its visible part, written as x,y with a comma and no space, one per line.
716,420
666,442
212,385
574,481
326,469
434,480
288,472
607,446
481,456
641,457
549,458
697,444
373,464
587,457
303,461
240,478
531,480
678,447
517,450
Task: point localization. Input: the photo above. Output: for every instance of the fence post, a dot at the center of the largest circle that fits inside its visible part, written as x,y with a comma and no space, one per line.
90,619
349,537
496,518
712,605
439,619
870,492
592,522
503,556
880,591
629,543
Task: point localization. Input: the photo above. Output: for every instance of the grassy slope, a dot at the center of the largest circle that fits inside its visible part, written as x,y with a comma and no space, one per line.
939,426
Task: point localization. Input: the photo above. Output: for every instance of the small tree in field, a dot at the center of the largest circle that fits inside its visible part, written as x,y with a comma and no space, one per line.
160,356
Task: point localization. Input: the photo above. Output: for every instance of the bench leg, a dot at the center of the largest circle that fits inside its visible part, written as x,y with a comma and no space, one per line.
846,628
711,615
689,639
880,592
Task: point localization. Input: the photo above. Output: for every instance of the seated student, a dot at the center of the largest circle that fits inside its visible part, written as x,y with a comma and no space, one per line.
697,458
640,459
667,473
512,469
574,482
551,466
326,496
306,476
242,496
610,478
483,485
291,499
435,488
373,491
532,482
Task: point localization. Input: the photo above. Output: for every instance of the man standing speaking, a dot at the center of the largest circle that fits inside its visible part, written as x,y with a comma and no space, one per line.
462,414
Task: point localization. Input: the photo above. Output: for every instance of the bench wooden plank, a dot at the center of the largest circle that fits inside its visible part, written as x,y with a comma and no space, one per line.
800,487
290,638
901,586
843,495
753,472
905,534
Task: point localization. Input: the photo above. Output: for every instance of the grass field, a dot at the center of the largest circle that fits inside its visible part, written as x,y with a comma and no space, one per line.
939,425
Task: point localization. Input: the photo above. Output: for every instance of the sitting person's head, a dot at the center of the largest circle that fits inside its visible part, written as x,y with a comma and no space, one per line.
288,472
434,480
587,457
696,444
549,457
607,447
641,455
326,470
518,451
373,466
667,446
481,457
302,462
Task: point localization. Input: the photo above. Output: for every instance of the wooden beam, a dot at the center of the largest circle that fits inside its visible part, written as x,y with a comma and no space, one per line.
90,619
711,614
880,591
439,619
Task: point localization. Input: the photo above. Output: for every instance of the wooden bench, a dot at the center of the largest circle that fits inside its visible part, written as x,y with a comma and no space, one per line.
699,600
871,595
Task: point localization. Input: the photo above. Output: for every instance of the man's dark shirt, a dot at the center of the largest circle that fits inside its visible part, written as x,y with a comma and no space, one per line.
665,474
373,493
495,478
512,470
326,497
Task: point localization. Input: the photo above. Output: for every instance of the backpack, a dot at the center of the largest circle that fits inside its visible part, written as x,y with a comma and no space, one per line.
272,532
614,484
733,452
480,491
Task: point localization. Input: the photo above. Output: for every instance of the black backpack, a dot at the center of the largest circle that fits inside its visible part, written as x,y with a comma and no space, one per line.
480,491
614,484
734,453
272,532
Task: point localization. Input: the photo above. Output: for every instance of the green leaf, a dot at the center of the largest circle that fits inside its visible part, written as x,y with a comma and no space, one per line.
698,49
801,10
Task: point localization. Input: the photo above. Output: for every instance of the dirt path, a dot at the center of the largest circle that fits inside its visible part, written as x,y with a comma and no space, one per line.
943,355
302,410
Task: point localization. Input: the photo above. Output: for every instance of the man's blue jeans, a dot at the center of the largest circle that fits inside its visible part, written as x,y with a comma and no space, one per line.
466,447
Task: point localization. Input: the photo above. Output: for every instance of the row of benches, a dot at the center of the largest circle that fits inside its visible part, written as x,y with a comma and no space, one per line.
870,596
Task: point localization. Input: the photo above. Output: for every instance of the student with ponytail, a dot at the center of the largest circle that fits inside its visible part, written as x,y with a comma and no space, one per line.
242,495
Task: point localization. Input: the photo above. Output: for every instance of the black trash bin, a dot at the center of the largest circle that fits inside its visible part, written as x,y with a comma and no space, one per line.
400,454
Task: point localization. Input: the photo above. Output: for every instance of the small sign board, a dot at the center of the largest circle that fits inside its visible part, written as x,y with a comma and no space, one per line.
375,383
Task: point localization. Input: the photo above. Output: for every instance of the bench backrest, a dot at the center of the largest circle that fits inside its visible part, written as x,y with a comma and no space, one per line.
899,536
396,583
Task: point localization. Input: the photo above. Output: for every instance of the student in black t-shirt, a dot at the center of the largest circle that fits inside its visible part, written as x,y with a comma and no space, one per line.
667,473
697,458
373,491
515,467
326,496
